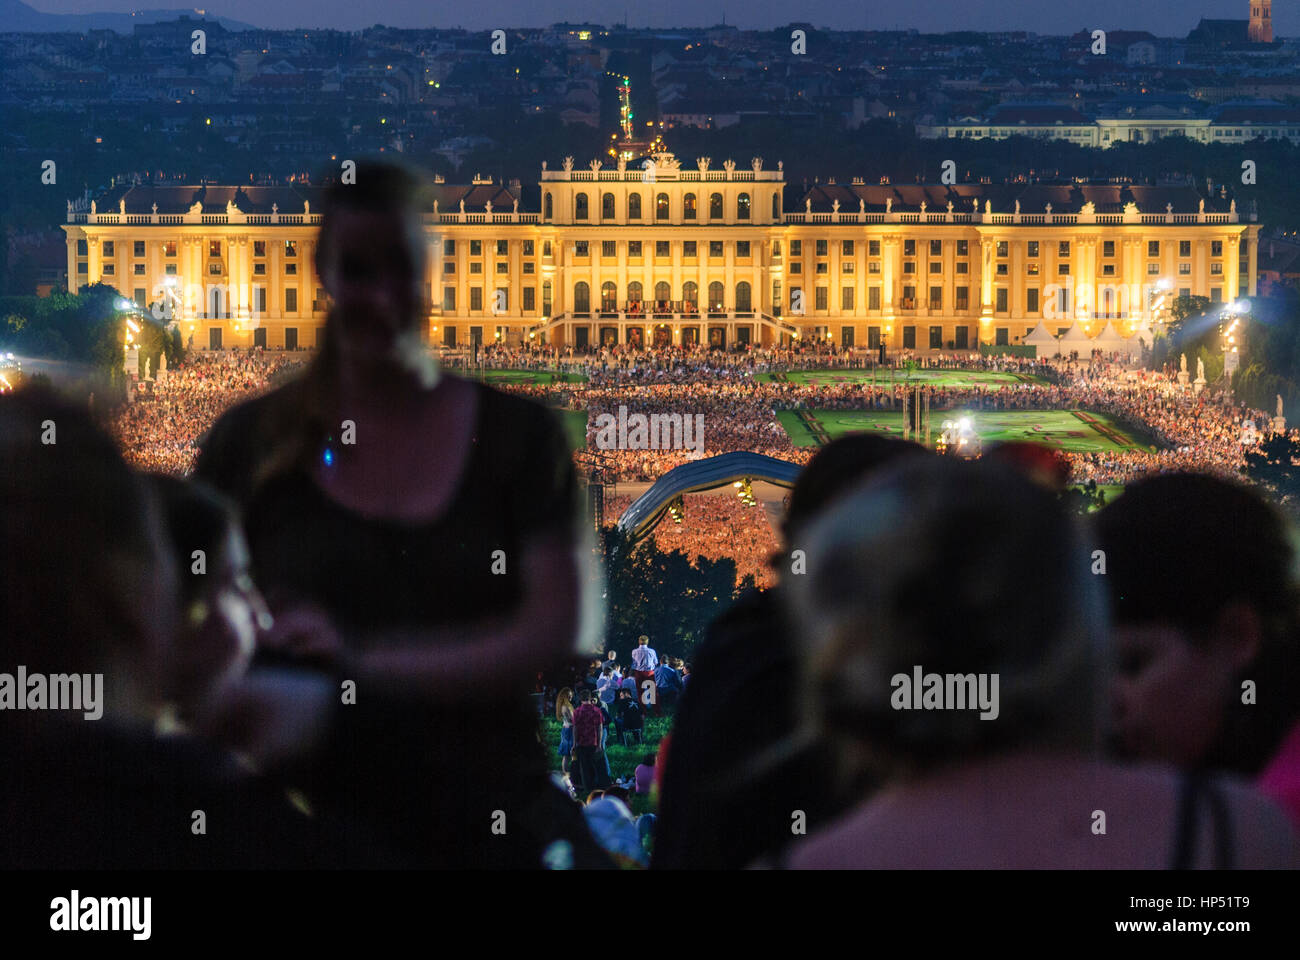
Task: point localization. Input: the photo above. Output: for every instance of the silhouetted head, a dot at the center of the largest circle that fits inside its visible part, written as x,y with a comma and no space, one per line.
86,584
371,256
957,568
838,467
1199,572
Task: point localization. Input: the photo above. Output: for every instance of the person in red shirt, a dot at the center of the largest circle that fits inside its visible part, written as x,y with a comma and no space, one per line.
588,722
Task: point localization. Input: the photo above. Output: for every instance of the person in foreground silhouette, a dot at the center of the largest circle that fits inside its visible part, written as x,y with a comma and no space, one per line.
432,521
973,570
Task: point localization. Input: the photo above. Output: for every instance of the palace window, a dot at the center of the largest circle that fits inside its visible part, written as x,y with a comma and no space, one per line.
1184,248
169,248
1031,247
796,248
1002,248
776,206
1108,248
476,298
688,207
1216,248
609,248
742,248
873,248
688,248
634,206
846,266
936,248
580,206
1153,248
661,207
503,248
634,248
476,248
823,297
137,248
846,298
548,207
214,247
1031,301
742,207
1063,248
529,248
581,248
139,269
909,248
607,207
873,298
1063,269
715,248
846,248
663,249
715,206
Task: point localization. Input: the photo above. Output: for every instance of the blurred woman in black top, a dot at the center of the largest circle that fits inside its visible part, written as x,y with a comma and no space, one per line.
433,521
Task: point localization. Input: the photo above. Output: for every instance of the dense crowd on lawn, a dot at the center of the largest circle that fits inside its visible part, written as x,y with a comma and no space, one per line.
160,434
739,411
715,526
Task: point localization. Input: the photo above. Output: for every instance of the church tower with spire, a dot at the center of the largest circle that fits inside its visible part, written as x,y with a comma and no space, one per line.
1261,21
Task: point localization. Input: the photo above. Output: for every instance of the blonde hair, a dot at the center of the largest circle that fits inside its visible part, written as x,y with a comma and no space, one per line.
954,568
563,702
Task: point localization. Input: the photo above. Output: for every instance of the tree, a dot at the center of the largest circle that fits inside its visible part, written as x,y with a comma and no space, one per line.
1275,463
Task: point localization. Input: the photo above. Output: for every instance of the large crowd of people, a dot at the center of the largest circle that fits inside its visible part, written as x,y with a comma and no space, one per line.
161,433
350,677
715,526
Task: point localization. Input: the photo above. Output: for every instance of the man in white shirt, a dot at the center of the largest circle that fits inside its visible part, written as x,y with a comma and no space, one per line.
644,661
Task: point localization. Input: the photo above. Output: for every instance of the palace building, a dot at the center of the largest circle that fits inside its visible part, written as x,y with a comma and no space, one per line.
663,252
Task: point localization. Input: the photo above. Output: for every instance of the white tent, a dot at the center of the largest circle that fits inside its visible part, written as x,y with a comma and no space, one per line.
1041,338
1111,341
1075,339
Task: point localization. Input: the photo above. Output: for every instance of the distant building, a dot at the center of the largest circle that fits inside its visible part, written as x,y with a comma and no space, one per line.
695,254
1232,33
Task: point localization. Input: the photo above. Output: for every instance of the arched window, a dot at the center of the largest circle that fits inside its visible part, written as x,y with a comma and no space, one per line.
607,207
776,206
715,296
742,296
608,297
688,207
742,207
579,206
634,206
550,207
690,296
715,206
663,293
661,207
634,292
581,297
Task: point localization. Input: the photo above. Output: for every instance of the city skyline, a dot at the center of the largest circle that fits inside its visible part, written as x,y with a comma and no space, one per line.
1161,17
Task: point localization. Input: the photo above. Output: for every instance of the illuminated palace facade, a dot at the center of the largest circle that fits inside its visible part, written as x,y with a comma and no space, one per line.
669,253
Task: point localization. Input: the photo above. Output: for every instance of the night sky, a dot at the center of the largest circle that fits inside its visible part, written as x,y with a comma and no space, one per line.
1162,17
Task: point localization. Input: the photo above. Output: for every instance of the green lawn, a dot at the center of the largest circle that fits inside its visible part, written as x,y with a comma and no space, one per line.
543,377
989,380
1072,431
622,760
575,427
